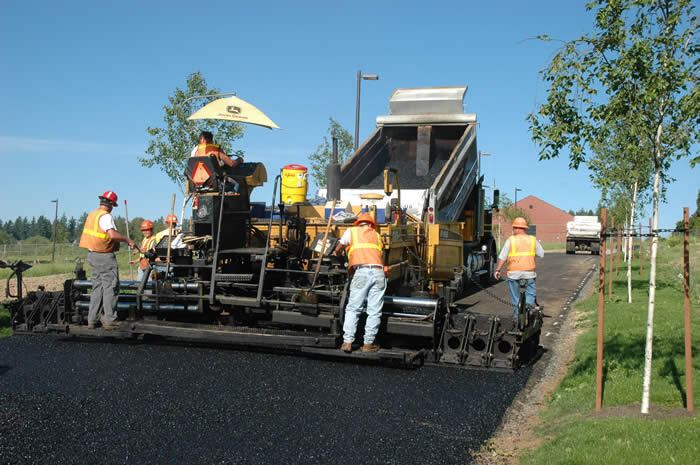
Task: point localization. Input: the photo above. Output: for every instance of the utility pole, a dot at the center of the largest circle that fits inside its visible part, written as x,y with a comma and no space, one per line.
55,224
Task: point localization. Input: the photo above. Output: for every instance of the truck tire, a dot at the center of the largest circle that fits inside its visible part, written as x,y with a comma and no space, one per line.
595,248
570,247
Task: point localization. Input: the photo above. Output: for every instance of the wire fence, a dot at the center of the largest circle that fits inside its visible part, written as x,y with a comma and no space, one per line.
37,253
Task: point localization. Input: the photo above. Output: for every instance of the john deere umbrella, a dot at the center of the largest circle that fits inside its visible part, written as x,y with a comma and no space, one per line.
234,109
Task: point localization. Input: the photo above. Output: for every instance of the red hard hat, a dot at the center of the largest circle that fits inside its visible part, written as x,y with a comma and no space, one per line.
111,196
146,225
365,217
171,219
520,222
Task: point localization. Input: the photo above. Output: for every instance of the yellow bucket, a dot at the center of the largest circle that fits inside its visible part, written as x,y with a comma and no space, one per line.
294,185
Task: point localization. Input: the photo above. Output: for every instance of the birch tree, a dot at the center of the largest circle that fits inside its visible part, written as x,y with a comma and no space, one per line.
638,65
622,164
169,147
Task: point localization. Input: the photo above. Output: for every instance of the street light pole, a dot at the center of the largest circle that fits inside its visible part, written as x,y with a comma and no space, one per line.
360,77
55,224
482,154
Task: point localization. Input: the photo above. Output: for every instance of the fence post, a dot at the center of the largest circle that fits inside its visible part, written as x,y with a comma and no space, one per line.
617,252
601,316
612,229
641,244
686,314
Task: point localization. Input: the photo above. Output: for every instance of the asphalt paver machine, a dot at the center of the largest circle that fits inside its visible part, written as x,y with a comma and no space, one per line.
264,275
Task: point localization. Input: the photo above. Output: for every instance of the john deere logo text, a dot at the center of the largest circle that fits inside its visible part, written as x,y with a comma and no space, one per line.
233,109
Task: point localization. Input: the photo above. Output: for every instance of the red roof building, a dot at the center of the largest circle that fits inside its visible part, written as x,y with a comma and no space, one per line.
549,220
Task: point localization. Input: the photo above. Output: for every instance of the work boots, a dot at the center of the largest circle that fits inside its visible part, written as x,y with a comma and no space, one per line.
346,347
369,348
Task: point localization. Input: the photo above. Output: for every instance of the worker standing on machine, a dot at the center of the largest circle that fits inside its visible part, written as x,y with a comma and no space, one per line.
207,147
101,238
161,234
148,242
364,250
518,254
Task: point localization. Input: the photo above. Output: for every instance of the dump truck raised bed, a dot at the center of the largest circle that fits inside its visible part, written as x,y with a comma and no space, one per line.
261,277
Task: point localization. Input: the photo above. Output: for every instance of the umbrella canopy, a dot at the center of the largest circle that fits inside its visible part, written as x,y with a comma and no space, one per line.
234,109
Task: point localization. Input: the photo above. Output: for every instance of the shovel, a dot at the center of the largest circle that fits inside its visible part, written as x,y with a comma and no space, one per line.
307,295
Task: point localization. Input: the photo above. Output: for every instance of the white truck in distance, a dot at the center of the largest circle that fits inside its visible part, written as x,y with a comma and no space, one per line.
583,234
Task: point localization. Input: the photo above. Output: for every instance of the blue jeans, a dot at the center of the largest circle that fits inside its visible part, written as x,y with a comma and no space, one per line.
530,293
368,284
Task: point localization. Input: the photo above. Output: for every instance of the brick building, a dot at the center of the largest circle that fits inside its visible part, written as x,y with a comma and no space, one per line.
549,220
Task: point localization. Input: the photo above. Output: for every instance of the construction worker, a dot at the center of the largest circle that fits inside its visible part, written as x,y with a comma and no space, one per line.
518,254
147,243
101,238
207,147
364,250
168,220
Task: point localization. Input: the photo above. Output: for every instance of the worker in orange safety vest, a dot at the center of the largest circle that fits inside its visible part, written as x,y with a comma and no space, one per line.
518,254
207,147
147,243
366,263
164,233
101,238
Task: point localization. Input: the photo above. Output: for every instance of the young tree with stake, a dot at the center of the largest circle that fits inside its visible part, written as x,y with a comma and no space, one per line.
639,66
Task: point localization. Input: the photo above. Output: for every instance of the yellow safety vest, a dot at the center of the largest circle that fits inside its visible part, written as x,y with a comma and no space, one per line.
521,256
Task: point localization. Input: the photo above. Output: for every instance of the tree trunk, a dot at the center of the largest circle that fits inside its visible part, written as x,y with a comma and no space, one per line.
646,386
630,243
624,242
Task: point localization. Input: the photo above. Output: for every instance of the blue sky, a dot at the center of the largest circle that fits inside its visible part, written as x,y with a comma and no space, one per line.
81,81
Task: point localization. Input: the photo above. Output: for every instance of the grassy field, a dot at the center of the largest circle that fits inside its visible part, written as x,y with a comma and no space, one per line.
5,329
574,436
553,245
60,267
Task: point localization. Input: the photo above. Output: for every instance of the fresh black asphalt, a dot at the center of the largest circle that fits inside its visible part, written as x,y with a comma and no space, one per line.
82,402
72,402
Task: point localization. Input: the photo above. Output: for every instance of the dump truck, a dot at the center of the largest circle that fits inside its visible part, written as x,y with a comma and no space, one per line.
583,234
264,276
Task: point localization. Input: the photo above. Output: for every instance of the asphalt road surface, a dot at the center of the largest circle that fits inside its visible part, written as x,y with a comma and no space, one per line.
64,401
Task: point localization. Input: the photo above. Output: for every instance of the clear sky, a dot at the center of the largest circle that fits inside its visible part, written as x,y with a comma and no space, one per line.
81,81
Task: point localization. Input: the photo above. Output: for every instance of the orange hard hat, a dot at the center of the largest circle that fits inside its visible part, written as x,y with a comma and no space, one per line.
365,218
109,195
146,225
520,222
171,219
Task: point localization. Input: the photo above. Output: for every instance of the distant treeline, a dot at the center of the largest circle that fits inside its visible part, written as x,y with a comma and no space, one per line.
68,230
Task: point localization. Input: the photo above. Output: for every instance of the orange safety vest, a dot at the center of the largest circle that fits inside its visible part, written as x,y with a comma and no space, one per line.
146,244
521,256
366,247
94,237
204,150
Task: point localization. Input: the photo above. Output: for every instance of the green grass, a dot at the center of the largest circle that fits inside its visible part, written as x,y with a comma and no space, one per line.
553,245
61,267
574,438
5,329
